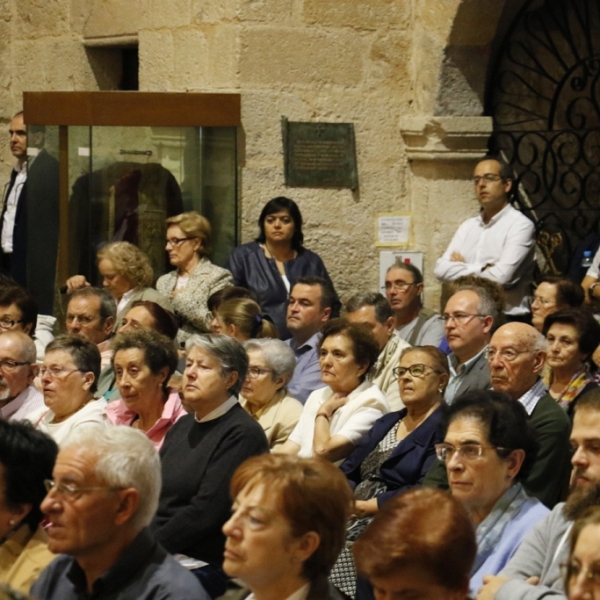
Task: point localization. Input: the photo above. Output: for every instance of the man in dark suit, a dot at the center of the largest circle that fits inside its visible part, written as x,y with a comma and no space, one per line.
29,219
468,322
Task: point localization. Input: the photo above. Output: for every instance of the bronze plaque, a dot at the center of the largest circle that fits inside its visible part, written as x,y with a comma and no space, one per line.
319,154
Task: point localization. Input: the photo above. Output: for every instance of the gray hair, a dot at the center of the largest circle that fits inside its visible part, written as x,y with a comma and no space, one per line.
227,351
108,305
486,305
126,458
383,309
277,354
540,343
85,354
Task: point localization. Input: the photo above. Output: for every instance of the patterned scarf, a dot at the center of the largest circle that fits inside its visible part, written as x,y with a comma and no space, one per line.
574,387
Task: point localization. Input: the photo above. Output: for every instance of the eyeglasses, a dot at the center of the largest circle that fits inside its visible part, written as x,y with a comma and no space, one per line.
508,354
542,301
468,452
7,364
8,323
460,318
401,286
175,242
573,570
256,372
416,370
488,178
83,319
58,372
72,491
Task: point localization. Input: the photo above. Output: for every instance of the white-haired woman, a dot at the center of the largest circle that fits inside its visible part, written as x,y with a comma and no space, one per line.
264,393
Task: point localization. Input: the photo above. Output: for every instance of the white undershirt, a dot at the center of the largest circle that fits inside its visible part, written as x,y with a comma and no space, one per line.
12,201
300,594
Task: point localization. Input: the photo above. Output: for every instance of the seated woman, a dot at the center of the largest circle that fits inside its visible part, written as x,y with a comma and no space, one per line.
396,453
68,377
195,278
488,449
26,460
143,361
286,529
242,319
271,264
573,335
335,417
582,574
264,393
145,314
202,451
127,274
420,545
552,294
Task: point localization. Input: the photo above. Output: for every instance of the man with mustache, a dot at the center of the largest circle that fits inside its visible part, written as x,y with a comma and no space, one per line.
534,571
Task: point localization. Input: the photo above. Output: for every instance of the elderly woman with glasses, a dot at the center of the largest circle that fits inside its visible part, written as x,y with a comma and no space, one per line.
489,449
195,277
398,450
202,451
68,376
264,393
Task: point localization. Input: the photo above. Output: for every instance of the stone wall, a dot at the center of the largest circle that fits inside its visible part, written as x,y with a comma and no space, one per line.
380,64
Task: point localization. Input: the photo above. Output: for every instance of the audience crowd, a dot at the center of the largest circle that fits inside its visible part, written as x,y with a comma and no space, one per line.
228,434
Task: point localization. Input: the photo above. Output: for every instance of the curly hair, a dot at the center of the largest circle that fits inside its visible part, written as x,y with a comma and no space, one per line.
129,262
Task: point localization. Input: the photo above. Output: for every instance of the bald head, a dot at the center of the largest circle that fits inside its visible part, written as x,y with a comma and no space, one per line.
517,355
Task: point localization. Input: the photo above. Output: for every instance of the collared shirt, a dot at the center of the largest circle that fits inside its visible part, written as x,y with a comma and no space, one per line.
143,571
299,594
532,396
23,404
458,373
106,353
219,411
307,375
502,250
125,299
12,201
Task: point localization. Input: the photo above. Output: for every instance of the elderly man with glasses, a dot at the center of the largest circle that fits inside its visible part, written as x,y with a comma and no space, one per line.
498,244
102,498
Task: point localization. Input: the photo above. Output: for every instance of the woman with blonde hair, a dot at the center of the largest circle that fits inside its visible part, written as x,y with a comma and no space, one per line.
195,277
127,274
242,319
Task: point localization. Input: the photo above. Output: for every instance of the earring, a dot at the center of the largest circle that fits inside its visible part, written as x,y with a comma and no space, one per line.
12,522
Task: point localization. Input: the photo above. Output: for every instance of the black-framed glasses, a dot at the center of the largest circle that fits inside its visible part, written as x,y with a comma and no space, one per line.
488,178
416,370
256,372
468,452
460,318
72,491
8,323
176,242
7,364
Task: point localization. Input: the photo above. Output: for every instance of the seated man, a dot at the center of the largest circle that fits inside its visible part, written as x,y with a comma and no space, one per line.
18,369
498,244
375,311
310,305
469,319
534,572
104,494
417,325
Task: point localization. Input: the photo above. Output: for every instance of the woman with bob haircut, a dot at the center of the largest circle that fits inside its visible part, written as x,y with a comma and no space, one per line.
573,334
195,278
273,262
286,529
27,458
336,417
127,274
489,449
420,544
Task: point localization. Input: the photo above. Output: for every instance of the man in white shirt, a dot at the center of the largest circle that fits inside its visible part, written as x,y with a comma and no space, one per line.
498,244
18,369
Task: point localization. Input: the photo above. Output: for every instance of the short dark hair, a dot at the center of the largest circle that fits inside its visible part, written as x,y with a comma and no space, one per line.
108,306
383,309
165,321
85,354
568,293
312,494
425,529
28,457
228,293
505,170
589,401
159,350
328,295
504,419
24,301
588,329
364,346
398,264
276,205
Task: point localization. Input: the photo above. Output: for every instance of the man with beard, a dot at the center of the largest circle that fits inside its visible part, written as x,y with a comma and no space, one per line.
534,571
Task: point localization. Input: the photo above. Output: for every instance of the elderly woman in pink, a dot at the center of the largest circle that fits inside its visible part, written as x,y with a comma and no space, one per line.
143,362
